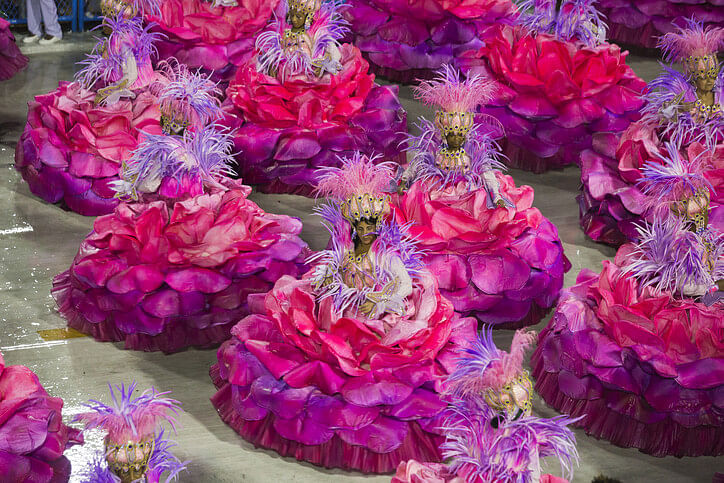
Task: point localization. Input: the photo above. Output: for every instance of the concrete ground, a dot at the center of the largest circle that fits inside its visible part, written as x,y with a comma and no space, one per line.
38,240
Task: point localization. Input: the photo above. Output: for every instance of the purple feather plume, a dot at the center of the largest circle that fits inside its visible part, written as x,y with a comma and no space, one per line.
105,62
130,418
577,19
668,257
192,161
692,39
671,89
187,95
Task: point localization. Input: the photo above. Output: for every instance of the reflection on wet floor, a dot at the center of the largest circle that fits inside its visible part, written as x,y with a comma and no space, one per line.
37,241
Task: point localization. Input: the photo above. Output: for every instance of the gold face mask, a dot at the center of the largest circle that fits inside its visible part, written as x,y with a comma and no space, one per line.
129,461
513,400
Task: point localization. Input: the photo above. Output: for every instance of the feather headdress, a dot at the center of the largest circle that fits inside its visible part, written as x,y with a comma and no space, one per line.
358,186
483,366
693,39
178,165
130,418
447,91
185,97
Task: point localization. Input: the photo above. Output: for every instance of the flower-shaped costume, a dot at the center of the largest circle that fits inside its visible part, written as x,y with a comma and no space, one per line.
77,136
685,108
135,448
633,22
408,40
11,59
493,254
174,268
32,434
490,432
343,367
558,85
637,349
307,99
217,36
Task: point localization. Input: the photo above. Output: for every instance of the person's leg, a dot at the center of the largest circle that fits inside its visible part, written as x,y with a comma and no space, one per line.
34,16
50,18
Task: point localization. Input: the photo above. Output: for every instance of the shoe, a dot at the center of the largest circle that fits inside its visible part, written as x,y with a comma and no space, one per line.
29,39
49,40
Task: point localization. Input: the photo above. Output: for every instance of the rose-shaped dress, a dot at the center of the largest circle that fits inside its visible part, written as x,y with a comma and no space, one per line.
555,91
643,368
11,60
339,390
289,126
174,269
72,148
342,368
494,255
210,35
407,40
32,434
641,23
610,200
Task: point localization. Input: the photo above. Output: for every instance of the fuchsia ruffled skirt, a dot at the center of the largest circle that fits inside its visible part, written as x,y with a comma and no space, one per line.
642,22
339,391
218,39
611,204
164,276
11,60
644,370
286,131
553,96
407,40
32,434
504,266
71,150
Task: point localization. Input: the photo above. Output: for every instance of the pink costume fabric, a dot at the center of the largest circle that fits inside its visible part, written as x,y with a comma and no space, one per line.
216,38
407,40
72,148
11,60
491,434
642,22
291,124
307,375
637,351
610,200
644,370
32,434
557,85
174,269
502,263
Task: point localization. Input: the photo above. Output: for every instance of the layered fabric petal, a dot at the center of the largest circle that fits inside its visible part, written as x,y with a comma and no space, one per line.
298,378
642,369
502,265
553,95
71,150
165,275
611,202
286,131
408,40
32,434
641,23
11,59
216,39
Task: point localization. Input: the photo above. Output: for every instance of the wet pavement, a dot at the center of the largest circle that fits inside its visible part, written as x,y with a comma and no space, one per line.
38,240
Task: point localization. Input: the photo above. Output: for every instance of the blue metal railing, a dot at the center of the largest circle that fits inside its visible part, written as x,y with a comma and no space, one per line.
15,13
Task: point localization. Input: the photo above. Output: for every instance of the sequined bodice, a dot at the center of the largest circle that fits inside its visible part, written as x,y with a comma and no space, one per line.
452,159
358,270
295,41
701,112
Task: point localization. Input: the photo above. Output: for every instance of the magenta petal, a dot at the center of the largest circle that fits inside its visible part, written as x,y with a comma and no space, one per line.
196,279
145,278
